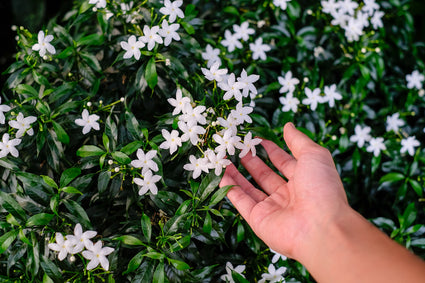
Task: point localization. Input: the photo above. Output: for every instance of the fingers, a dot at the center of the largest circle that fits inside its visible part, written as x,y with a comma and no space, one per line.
265,177
243,195
297,141
282,160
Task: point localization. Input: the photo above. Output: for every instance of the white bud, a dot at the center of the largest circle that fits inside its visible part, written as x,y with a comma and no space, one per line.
72,258
122,99
342,130
100,101
117,169
363,50
167,62
309,12
214,124
89,104
305,79
14,28
17,38
94,9
110,162
261,23
421,92
45,57
334,138
377,49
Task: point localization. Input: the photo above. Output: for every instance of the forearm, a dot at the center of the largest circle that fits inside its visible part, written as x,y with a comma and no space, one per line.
353,250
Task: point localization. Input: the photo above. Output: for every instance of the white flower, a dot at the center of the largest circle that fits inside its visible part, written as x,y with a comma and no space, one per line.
289,103
145,161
132,47
99,3
243,31
313,97
248,145
370,7
88,122
231,87
148,183
23,125
227,142
409,144
281,3
197,165
3,109
80,240
340,19
179,102
62,246
241,113
331,95
193,115
125,8
172,140
168,32
231,41
414,80
248,83
214,73
376,20
96,254
394,122
288,83
277,256
229,123
330,6
217,161
150,36
229,268
211,55
348,7
376,145
190,132
172,9
361,135
43,44
273,275
8,146
353,29
259,49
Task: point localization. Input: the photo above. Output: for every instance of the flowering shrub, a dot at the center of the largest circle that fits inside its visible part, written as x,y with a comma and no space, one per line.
119,118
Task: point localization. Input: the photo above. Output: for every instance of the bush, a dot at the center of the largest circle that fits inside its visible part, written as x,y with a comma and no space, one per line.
118,115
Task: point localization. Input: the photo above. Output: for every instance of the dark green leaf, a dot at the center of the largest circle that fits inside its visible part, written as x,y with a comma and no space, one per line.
159,275
208,184
89,150
121,157
135,262
129,240
68,175
150,73
6,240
61,133
146,225
50,182
219,195
40,219
78,214
178,264
13,207
392,177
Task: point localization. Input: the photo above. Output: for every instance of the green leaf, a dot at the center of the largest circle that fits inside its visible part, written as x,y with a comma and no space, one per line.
105,140
416,187
159,275
231,10
51,269
208,185
238,278
207,227
135,262
40,219
27,89
13,207
392,177
91,61
129,240
178,264
92,39
219,195
154,255
188,28
89,150
150,73
43,108
61,133
7,239
121,157
78,214
50,182
68,175
409,216
131,147
103,181
71,190
145,223
240,232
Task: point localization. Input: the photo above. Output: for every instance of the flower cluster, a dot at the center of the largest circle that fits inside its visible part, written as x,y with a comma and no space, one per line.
148,166
195,121
352,17
21,124
290,103
80,242
155,34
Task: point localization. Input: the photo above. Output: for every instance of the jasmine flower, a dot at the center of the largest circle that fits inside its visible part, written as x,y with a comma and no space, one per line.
231,41
248,145
145,161
214,73
274,275
414,80
62,246
179,102
8,146
80,240
23,125
3,109
172,10
88,122
243,31
259,49
313,97
168,32
376,145
289,103
288,83
148,183
229,268
96,254
150,36
408,145
394,122
197,165
172,140
43,44
132,47
361,135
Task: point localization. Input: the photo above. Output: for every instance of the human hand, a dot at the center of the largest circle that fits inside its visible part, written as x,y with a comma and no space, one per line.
289,215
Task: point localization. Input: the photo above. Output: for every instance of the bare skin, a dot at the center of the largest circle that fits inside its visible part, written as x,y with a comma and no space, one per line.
308,217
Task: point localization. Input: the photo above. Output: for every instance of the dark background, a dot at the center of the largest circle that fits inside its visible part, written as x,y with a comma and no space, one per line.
33,14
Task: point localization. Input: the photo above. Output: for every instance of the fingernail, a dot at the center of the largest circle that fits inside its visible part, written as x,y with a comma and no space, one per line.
290,124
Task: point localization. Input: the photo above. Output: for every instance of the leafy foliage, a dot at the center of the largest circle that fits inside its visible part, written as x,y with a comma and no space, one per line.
189,230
